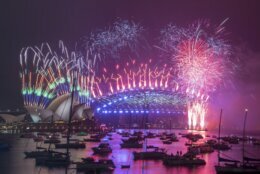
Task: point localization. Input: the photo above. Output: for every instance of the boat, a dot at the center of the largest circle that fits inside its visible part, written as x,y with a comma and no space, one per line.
167,142
221,146
64,136
163,137
231,139
151,147
102,149
132,139
137,133
90,165
75,145
53,136
92,140
42,134
53,160
173,139
185,160
98,136
236,169
132,142
193,137
200,149
124,134
52,141
150,135
235,166
157,154
125,166
131,145
40,153
38,139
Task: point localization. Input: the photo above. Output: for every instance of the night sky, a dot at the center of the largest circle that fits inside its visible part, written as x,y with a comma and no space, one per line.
31,22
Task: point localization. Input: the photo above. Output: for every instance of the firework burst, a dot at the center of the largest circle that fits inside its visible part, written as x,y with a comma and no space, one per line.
202,59
122,37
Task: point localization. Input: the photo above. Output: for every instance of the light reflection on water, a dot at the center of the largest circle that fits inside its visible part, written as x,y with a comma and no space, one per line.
13,162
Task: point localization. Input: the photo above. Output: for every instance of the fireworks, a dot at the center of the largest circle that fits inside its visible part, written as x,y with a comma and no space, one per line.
196,114
202,59
199,54
122,37
47,74
198,63
135,76
142,88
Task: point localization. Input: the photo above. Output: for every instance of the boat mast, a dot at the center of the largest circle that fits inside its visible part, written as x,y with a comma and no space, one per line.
244,132
146,106
70,115
219,126
51,124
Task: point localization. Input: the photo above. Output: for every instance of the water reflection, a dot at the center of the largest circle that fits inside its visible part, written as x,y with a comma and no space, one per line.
13,162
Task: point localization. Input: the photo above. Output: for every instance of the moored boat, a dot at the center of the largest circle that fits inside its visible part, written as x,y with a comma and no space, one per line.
200,149
90,165
54,160
76,145
185,160
131,145
92,140
233,166
157,154
102,149
52,141
40,153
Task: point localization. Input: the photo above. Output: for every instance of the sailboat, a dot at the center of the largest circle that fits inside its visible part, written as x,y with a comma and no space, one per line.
102,149
43,152
156,153
234,166
40,152
60,159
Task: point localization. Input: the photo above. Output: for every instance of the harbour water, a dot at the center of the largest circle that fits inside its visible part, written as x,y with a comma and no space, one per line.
14,162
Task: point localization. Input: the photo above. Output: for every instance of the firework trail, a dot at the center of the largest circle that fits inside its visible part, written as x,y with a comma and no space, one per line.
47,74
135,76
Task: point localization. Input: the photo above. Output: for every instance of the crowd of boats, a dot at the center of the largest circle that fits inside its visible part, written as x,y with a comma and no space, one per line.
50,158
196,144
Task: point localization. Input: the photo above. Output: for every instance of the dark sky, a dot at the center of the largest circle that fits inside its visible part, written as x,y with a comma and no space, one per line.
31,22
